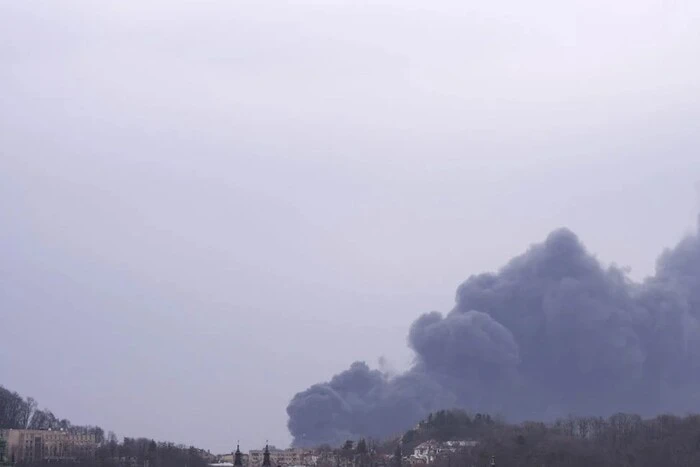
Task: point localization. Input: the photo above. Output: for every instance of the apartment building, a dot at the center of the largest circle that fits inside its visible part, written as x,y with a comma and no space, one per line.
429,451
47,445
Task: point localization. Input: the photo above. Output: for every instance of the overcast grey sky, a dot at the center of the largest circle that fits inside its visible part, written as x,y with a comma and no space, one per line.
208,206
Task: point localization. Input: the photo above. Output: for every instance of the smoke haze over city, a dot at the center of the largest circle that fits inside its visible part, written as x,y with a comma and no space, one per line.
206,208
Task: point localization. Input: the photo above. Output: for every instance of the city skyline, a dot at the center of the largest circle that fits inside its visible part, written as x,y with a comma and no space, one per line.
209,207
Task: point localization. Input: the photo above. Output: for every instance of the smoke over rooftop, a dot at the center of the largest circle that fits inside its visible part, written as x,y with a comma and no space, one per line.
552,333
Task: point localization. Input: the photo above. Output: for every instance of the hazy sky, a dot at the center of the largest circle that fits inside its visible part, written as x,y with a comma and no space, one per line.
207,206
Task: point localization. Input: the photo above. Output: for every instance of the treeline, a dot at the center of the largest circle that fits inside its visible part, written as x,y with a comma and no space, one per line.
622,440
15,412
146,452
19,413
447,425
139,452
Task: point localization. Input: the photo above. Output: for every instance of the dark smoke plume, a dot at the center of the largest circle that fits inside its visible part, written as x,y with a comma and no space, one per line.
552,333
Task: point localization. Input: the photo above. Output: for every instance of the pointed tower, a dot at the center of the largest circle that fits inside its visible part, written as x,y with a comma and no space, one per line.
238,457
266,457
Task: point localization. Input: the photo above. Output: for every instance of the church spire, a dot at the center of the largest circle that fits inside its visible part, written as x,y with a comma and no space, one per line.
238,457
266,457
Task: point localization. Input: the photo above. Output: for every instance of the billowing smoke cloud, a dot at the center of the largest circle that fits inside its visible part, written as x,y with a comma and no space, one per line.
552,333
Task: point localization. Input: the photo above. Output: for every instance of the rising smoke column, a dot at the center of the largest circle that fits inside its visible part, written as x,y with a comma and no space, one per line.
552,333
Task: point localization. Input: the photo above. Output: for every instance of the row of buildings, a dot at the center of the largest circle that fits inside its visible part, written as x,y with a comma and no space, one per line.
425,453
27,446
269,457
